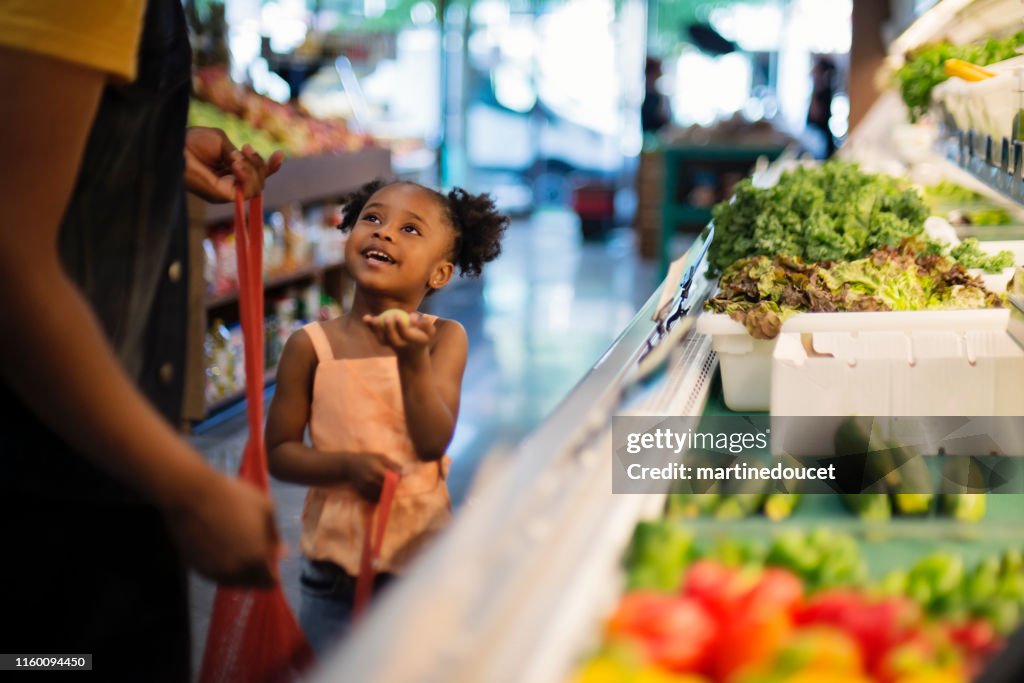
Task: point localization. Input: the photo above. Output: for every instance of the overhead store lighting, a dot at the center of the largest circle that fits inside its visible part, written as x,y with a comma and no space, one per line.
755,28
422,13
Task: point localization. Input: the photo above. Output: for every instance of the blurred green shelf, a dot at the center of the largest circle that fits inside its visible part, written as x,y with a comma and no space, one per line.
693,215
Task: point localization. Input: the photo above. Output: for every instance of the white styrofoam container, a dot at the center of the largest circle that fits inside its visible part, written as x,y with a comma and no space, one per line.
924,371
746,363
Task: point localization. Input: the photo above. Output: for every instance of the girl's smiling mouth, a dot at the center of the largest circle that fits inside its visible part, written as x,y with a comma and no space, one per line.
375,255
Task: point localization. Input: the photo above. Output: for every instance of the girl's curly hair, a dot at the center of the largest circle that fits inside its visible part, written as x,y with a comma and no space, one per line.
478,225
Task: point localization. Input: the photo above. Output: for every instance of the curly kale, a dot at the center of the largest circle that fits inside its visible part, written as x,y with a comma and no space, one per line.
831,212
834,212
969,255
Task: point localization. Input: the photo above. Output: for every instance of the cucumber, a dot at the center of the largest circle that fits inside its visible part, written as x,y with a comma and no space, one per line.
739,505
859,436
779,506
742,498
873,506
967,507
691,505
962,489
913,490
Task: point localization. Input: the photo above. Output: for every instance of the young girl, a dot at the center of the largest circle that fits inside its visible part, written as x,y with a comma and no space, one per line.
377,392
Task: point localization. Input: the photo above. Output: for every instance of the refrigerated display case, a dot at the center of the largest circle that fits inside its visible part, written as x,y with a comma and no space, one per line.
514,590
519,588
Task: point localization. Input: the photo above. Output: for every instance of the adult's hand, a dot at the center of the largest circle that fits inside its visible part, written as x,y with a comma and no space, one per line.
226,532
213,166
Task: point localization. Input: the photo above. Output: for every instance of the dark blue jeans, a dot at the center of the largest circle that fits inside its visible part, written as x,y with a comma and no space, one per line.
328,595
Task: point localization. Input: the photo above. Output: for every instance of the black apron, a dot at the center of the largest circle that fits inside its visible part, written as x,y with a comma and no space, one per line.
91,567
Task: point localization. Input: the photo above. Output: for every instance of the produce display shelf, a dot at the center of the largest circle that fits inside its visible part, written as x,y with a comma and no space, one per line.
723,152
960,21
308,179
307,272
888,544
999,164
893,543
231,399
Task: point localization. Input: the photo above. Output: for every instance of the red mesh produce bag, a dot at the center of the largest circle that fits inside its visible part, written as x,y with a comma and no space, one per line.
253,637
373,541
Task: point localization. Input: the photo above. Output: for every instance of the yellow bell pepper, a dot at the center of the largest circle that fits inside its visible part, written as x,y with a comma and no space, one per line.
969,72
935,675
826,675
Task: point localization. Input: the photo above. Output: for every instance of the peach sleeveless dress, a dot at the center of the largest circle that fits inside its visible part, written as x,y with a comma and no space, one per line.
357,406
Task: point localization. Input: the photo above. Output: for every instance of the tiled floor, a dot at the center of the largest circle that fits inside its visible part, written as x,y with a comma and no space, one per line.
540,317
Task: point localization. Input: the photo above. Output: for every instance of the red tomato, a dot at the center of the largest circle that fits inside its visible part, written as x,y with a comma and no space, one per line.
675,632
750,639
976,635
718,588
636,612
978,641
829,607
684,637
877,627
776,589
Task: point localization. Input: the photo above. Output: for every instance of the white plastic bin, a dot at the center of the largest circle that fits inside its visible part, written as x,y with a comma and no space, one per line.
747,367
934,366
745,362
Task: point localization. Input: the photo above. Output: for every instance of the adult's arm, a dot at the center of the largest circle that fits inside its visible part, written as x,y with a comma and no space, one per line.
54,354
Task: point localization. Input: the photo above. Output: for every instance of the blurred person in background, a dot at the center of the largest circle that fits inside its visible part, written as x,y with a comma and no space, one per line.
103,504
819,113
655,112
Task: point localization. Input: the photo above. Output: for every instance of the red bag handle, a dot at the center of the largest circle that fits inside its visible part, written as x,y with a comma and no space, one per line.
249,253
373,540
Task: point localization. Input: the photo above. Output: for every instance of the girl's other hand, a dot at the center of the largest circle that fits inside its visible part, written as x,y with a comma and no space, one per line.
406,337
365,472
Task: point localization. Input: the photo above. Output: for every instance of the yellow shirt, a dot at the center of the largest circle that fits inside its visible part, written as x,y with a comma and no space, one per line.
100,35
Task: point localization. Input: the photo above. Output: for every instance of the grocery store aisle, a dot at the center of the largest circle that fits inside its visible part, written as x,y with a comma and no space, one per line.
540,317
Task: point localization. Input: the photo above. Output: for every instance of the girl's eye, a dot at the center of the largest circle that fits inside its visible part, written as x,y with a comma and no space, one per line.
411,229
372,217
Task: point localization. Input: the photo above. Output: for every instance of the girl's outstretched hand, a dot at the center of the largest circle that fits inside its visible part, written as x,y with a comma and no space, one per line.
408,335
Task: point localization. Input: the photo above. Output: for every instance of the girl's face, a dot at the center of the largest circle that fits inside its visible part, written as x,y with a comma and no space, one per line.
401,243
